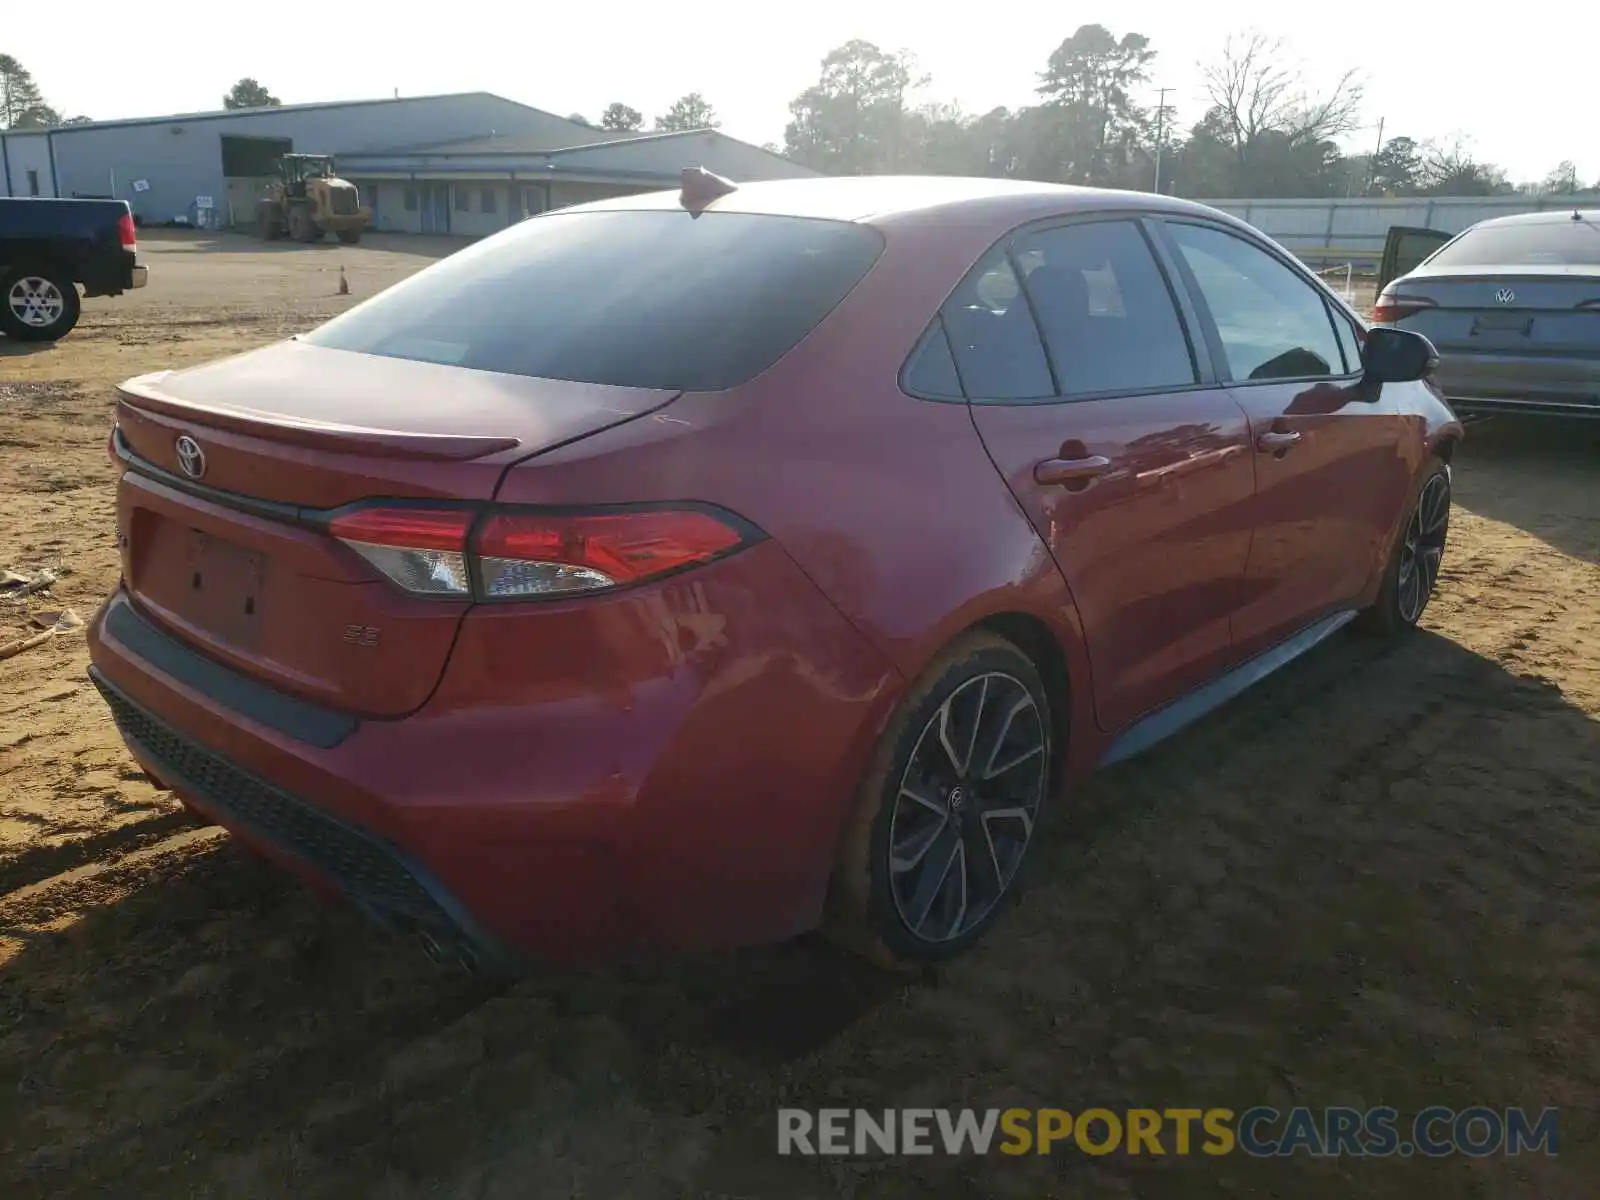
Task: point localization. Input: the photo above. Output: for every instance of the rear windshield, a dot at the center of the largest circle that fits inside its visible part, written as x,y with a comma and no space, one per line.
1554,243
641,298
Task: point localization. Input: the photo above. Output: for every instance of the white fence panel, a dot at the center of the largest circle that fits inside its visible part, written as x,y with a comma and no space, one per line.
1352,230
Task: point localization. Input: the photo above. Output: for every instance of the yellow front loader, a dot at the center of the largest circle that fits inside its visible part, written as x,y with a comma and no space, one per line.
308,200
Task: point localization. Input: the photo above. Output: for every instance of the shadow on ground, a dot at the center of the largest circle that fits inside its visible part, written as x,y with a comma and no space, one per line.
1373,880
1528,472
12,348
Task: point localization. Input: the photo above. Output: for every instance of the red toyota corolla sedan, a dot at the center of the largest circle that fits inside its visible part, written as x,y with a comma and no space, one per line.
694,569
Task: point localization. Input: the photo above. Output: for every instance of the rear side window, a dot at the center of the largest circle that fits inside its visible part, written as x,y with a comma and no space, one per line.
1108,317
932,370
993,335
644,298
1541,243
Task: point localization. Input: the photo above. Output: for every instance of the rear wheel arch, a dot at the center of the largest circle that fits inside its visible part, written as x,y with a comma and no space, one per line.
1036,640
855,913
1029,635
41,263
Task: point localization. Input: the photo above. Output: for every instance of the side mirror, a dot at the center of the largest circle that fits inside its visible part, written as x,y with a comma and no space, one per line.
1397,355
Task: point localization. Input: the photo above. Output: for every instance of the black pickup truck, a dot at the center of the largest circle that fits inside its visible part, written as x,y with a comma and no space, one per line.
48,248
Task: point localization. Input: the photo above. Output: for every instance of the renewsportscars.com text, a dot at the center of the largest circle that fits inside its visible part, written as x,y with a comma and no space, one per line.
1261,1132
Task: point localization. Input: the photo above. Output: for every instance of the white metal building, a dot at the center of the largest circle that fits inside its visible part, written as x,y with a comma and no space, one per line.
466,163
478,185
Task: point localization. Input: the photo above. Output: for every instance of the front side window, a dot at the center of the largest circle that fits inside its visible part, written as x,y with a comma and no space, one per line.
1108,317
1273,324
1349,341
649,298
993,335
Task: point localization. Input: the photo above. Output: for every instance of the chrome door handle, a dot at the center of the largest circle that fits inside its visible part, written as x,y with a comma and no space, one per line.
1271,443
1071,470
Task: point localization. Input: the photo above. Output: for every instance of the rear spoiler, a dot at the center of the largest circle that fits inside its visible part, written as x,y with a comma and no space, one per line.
142,393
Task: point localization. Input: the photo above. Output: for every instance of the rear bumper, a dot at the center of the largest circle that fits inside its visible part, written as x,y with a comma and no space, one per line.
1484,383
379,878
548,820
111,275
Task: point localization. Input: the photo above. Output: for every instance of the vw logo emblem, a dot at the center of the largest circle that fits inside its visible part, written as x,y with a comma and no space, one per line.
1505,296
958,799
191,459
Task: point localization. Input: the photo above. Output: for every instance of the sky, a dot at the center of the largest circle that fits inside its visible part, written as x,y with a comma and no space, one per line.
1427,72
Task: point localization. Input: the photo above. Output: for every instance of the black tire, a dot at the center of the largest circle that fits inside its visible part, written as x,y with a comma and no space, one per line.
973,822
1412,573
301,227
38,304
350,237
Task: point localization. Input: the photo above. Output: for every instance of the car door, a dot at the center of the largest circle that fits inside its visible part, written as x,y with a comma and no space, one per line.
1132,464
1404,248
1331,461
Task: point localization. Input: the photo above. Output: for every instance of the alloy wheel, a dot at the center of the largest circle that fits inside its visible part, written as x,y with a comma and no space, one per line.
1423,549
35,301
966,807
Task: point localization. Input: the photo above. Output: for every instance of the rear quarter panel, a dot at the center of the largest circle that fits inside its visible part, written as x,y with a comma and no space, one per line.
889,504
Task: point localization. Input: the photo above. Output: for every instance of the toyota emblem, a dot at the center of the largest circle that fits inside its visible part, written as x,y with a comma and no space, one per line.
1505,296
191,459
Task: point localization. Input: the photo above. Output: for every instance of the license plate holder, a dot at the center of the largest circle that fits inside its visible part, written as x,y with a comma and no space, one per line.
1516,323
225,588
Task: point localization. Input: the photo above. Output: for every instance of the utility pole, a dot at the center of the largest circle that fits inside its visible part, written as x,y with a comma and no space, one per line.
1372,173
1161,113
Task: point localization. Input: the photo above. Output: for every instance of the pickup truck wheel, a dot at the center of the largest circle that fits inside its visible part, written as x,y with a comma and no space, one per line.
37,304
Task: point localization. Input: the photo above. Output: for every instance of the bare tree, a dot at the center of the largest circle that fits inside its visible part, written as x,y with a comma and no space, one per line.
1450,169
1256,91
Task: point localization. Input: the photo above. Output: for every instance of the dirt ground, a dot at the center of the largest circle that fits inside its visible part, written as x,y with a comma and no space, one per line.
1371,880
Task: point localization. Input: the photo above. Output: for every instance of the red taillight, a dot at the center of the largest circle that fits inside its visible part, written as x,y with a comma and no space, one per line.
522,555
424,550
1391,308
126,233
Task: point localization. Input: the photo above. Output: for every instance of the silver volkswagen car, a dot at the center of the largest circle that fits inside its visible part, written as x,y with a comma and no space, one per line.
1513,307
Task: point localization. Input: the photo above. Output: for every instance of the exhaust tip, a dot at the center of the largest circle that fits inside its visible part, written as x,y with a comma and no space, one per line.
436,950
450,953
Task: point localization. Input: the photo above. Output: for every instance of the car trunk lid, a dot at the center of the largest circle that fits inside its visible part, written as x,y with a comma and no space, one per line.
237,466
1552,313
